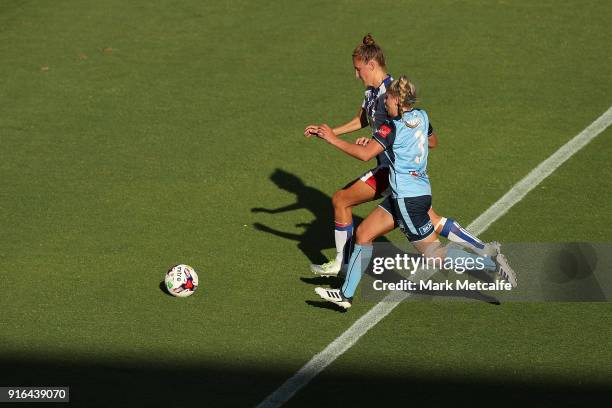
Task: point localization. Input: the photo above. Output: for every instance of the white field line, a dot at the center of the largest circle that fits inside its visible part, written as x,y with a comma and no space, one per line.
347,339
543,170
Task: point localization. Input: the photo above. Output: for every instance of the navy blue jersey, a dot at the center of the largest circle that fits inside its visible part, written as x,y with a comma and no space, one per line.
376,112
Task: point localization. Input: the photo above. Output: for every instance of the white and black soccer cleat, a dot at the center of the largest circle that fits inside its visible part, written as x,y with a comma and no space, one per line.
334,296
328,269
505,271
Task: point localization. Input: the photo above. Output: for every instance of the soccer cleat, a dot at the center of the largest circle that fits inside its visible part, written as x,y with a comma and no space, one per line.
328,269
334,296
492,249
505,271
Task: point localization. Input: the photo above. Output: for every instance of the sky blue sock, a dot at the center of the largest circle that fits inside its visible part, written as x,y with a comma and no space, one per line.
360,258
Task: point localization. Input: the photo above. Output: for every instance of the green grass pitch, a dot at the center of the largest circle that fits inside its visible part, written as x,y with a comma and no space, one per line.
137,135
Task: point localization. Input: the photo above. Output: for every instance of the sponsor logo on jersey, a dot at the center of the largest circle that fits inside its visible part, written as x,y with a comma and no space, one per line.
384,131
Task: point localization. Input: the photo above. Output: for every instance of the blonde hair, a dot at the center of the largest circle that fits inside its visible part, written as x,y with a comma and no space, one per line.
406,92
368,50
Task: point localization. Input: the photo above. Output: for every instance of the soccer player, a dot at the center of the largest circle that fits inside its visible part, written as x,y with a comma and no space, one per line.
402,140
370,67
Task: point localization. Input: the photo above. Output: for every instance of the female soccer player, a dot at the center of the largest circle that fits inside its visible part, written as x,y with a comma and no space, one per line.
370,67
402,139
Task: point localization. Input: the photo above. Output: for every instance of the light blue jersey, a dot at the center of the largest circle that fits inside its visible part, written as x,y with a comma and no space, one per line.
406,146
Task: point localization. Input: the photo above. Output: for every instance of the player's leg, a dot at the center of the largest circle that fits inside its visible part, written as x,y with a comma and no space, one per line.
413,217
453,231
434,217
344,200
368,187
378,223
431,247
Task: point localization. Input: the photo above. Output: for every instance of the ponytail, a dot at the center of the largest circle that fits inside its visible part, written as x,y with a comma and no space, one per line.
368,50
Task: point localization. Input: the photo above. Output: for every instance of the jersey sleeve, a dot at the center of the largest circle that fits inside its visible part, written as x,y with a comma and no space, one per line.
385,134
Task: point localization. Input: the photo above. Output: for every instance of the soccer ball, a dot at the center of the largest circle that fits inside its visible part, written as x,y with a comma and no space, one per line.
181,280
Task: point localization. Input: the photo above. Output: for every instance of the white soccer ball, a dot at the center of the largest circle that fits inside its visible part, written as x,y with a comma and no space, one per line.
181,280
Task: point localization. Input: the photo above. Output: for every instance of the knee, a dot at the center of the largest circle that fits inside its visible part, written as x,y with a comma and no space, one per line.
435,218
339,199
363,236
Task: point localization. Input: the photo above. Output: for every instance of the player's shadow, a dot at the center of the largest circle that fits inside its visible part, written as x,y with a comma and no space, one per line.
319,233
323,304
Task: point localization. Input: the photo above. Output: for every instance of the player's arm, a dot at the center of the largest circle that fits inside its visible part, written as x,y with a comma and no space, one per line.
354,124
432,140
290,207
358,122
361,152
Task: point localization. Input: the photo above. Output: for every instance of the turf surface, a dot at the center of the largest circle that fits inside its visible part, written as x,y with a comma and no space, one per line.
135,136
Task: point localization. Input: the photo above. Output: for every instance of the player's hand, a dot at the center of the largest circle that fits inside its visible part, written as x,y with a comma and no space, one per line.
325,132
260,210
362,141
311,130
261,227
